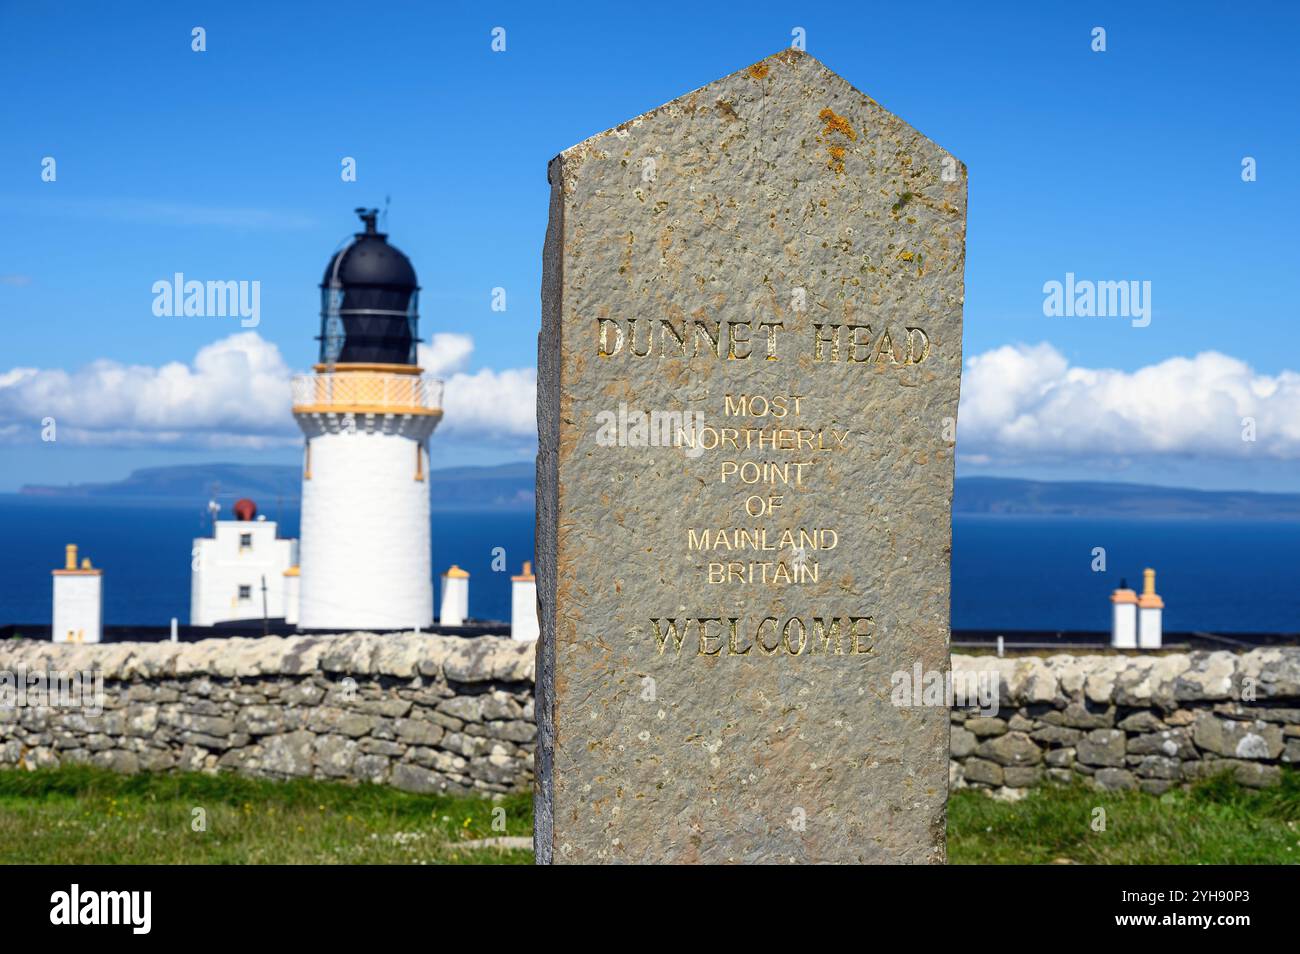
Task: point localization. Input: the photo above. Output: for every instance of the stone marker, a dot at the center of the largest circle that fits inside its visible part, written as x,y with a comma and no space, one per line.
747,392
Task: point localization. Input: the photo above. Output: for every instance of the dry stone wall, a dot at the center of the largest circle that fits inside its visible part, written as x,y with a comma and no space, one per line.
1149,722
423,713
449,714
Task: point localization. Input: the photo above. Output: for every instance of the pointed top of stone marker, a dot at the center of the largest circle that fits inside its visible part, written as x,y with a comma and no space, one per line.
834,114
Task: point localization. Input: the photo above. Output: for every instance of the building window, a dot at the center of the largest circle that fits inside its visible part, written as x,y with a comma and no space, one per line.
245,541
245,592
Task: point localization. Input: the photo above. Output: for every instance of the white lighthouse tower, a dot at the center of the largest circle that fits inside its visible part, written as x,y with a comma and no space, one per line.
367,412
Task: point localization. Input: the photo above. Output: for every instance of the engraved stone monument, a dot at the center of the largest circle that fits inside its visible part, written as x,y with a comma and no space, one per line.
747,390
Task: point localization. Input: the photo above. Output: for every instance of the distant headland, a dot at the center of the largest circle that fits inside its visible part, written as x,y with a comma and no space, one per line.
507,486
510,486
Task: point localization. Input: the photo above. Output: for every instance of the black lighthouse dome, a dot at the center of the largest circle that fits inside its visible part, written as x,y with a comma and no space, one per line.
369,298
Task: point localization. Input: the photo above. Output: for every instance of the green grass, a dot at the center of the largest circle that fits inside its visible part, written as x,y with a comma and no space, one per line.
1214,822
82,815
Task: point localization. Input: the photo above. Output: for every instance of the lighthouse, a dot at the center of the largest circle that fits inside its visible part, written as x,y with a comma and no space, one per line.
367,412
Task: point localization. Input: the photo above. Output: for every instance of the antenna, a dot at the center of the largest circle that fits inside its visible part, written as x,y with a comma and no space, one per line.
387,199
368,216
266,626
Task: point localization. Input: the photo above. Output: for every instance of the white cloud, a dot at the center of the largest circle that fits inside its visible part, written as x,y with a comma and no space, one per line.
445,353
1023,402
1020,404
236,394
492,402
486,403
229,396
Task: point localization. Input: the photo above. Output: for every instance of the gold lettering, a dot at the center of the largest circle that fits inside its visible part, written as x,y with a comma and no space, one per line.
705,637
820,631
819,340
631,336
712,337
912,356
666,328
886,345
732,646
661,636
698,541
792,636
732,340
856,342
785,636
602,327
858,648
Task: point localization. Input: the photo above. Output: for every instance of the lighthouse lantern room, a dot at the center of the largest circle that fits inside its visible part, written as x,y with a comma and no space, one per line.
367,412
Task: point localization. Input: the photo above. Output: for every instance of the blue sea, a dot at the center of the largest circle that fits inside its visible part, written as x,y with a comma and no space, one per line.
1008,572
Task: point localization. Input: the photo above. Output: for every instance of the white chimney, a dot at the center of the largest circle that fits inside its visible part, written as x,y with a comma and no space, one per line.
523,605
1123,619
78,601
454,608
1150,610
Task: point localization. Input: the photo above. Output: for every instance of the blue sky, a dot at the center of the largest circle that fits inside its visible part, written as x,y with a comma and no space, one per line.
225,164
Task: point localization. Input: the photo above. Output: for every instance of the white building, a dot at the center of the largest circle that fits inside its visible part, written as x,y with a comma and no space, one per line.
1150,610
1136,620
367,412
453,609
523,605
1123,618
78,601
238,573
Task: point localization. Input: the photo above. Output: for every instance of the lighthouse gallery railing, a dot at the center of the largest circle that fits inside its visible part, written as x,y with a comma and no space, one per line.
353,391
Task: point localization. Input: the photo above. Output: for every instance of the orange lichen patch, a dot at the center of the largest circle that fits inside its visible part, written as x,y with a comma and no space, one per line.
836,124
758,70
836,161
727,111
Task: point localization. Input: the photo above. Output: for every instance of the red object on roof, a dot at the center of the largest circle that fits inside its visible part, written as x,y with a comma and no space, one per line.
245,509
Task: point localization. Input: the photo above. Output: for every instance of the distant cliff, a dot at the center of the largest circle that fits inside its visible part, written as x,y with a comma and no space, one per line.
505,485
1001,495
511,486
